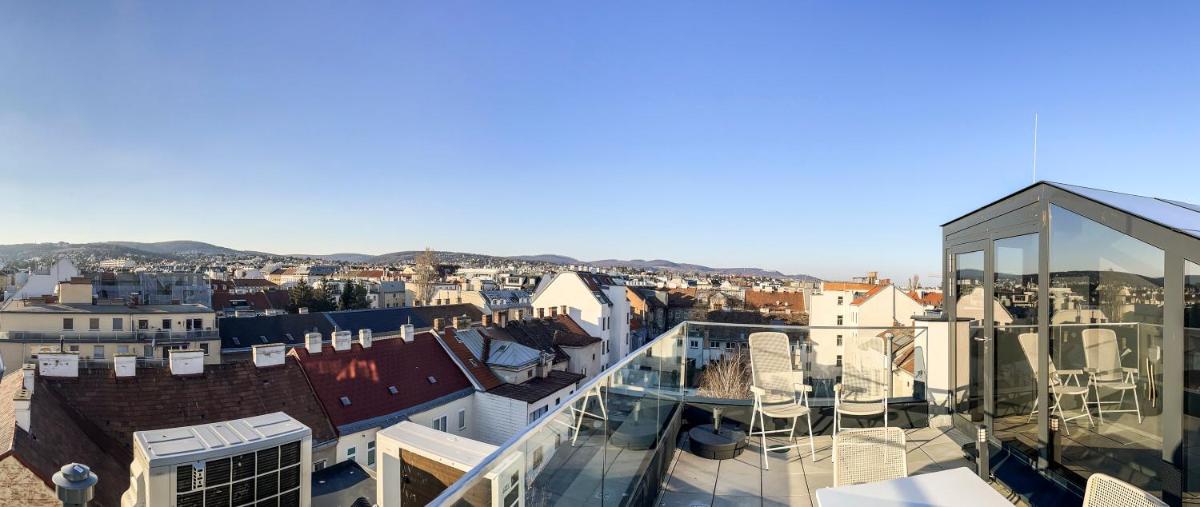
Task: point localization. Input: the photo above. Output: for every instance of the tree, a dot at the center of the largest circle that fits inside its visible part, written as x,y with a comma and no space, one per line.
354,297
426,275
303,295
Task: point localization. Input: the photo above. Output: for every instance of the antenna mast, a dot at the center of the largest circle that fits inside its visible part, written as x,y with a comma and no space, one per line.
1035,122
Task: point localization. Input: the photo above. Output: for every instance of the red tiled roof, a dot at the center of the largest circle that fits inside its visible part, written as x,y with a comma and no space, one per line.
478,369
870,294
846,286
930,298
253,282
364,375
92,419
259,301
776,300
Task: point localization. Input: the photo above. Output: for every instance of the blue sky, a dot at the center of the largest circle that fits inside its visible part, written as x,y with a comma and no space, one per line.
822,138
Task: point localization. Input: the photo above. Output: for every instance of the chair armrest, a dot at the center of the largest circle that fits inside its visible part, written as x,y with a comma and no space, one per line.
758,391
1129,369
1070,372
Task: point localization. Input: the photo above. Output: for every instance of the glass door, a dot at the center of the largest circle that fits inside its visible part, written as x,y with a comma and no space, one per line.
1015,339
968,271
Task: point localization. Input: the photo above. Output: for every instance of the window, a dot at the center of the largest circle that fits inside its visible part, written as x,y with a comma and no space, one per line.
440,423
204,347
98,352
318,465
533,416
839,360
712,344
462,419
840,300
371,453
351,452
118,324
93,324
839,321
73,348
839,340
122,349
695,344
68,324
166,324
143,324
538,456
728,345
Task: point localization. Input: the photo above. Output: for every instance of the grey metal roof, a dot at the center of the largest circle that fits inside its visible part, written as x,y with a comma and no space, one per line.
1180,216
503,353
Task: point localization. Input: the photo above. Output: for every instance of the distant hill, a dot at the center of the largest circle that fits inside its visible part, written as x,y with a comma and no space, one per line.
178,250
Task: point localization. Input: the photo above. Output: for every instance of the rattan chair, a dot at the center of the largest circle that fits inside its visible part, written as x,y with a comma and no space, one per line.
1107,491
863,455
779,391
1103,358
1058,386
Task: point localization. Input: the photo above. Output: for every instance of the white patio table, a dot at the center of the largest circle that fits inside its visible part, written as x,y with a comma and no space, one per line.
948,488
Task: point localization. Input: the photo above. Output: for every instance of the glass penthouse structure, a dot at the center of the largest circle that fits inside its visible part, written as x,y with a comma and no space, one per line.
1088,302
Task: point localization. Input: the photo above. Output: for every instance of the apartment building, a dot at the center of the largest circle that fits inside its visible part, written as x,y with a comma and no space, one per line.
873,304
597,302
73,319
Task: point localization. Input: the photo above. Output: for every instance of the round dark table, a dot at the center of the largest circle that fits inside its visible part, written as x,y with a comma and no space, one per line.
725,444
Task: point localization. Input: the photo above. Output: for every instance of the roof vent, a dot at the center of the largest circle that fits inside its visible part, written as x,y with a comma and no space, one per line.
407,332
186,362
268,355
393,390
364,338
431,379
125,365
312,342
58,364
345,401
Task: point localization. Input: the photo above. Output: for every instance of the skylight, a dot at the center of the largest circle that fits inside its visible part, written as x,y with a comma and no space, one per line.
431,379
345,401
393,390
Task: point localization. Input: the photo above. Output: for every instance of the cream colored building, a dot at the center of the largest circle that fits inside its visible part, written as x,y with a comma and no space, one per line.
98,332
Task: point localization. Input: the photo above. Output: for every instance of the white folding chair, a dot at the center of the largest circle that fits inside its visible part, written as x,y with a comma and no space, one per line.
779,391
864,455
1102,355
1108,491
579,413
866,380
1058,387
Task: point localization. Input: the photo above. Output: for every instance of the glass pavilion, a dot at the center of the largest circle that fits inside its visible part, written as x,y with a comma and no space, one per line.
1085,301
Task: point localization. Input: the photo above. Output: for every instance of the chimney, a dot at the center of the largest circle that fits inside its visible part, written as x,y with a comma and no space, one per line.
58,364
186,362
270,354
302,310
341,340
563,310
125,365
312,342
487,320
407,332
29,374
364,338
437,324
21,408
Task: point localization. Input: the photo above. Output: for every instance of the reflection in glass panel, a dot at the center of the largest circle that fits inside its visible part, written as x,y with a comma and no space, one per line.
1016,341
1106,297
1191,382
968,282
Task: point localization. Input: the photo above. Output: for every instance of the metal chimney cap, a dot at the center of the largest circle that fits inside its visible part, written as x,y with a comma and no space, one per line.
75,476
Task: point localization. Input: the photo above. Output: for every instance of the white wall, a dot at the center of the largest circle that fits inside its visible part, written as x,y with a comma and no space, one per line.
502,417
450,410
359,442
585,360
567,289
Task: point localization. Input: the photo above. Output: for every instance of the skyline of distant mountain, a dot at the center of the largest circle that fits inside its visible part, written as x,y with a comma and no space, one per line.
181,249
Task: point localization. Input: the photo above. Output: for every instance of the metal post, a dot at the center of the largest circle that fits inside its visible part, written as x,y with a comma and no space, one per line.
75,485
983,464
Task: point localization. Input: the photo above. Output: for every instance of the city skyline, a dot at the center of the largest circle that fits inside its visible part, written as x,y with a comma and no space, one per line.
805,139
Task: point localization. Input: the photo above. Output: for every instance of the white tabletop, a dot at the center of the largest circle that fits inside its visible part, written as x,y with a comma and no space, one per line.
956,487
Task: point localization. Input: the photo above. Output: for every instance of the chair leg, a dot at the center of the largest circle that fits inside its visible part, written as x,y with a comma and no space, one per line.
811,446
1099,406
1058,408
1136,405
792,433
763,421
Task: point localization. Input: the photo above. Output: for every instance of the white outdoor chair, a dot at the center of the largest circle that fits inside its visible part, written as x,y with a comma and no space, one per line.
1107,491
866,379
1058,387
1104,370
864,455
779,391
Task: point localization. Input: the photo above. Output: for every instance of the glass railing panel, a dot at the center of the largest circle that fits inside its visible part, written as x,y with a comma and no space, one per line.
1113,425
1015,387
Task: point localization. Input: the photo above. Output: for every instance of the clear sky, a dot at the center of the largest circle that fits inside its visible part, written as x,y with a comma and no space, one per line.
824,138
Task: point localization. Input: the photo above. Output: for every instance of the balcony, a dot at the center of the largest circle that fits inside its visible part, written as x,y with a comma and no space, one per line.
622,438
142,336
